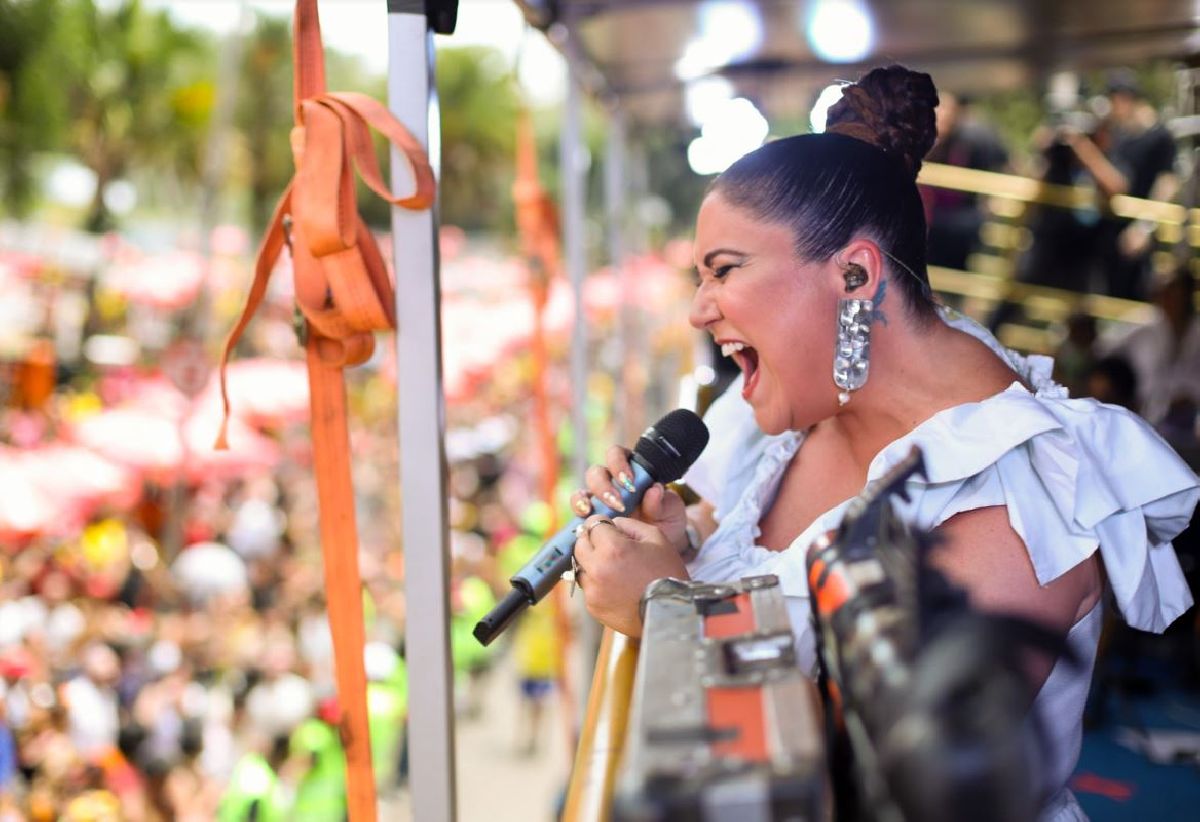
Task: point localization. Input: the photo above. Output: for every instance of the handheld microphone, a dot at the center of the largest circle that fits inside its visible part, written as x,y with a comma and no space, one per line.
662,454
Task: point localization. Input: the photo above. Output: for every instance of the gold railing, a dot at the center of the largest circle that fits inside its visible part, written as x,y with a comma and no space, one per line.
1028,190
594,775
992,282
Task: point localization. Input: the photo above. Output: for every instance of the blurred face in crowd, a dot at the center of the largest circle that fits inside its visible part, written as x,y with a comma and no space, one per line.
770,311
1124,106
946,114
1175,299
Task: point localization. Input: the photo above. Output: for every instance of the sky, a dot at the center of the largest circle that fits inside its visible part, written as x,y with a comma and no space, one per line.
359,27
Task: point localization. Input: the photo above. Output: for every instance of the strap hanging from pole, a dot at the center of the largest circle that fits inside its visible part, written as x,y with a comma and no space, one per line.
344,294
538,230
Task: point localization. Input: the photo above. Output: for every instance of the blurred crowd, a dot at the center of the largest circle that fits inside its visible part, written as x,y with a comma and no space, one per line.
164,647
1113,143
140,686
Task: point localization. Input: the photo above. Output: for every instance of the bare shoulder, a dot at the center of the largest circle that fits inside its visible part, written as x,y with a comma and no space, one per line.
985,373
983,553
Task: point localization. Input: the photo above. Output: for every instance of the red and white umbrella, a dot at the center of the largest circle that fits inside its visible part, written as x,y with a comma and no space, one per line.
53,489
25,508
166,449
165,281
81,480
264,392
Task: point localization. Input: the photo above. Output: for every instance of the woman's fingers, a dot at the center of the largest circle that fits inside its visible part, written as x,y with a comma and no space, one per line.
617,460
581,503
617,559
637,530
665,508
600,483
652,502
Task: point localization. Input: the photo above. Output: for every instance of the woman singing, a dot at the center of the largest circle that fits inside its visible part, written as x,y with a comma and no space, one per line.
811,259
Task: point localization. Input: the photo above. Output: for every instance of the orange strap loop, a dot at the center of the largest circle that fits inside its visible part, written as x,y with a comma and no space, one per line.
345,295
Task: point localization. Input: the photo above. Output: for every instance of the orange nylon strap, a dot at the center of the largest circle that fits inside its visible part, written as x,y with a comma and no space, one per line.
345,295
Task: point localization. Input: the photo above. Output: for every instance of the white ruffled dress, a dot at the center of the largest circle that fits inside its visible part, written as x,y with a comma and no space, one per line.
1076,476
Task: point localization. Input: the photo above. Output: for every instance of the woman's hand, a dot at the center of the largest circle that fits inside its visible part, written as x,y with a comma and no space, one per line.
660,507
617,559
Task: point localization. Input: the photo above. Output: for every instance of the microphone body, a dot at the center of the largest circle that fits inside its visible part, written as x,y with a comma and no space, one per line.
538,576
548,565
663,454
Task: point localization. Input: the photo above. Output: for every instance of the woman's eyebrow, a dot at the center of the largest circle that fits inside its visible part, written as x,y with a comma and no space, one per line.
716,252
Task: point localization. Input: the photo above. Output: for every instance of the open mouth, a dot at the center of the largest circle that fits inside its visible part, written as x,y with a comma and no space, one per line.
746,358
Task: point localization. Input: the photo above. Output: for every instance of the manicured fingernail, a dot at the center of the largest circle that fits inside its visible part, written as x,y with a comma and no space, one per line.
614,502
626,482
582,506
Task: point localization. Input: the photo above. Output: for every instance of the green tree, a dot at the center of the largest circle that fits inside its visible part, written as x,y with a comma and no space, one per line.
32,110
478,99
264,115
140,94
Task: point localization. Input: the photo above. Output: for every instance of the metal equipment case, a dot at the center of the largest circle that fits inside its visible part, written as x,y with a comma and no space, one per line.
724,725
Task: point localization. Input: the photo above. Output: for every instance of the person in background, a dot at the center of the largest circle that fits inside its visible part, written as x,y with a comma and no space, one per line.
91,701
255,792
1075,357
316,765
1064,241
387,710
192,794
471,598
1111,380
955,217
536,645
1142,155
1165,355
1129,152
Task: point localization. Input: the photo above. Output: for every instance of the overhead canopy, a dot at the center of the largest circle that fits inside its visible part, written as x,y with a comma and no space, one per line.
645,52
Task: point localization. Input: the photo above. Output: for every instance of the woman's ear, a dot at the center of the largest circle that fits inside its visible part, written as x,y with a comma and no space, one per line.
860,269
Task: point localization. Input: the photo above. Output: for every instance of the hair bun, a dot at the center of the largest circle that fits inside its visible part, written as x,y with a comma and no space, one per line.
891,108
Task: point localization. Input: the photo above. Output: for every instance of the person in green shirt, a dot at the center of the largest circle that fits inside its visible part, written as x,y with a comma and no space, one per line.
473,598
315,749
387,710
255,791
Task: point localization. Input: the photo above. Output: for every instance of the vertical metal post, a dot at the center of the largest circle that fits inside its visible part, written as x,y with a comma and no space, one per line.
572,155
615,190
412,98
590,631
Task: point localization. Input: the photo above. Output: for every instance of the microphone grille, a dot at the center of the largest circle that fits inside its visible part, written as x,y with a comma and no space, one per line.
671,445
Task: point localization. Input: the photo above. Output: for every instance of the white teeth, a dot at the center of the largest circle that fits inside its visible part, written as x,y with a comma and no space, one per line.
728,349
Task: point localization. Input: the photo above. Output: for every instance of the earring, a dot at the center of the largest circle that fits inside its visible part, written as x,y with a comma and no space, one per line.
852,359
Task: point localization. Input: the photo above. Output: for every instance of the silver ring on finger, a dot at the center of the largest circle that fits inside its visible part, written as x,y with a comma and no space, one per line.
587,528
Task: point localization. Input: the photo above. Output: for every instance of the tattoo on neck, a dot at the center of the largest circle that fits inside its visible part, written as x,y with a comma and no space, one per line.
877,314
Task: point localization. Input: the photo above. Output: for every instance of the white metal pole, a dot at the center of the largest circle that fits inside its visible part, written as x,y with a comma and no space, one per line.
573,163
615,203
412,98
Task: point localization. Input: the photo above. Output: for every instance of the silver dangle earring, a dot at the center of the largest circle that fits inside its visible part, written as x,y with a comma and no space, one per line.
852,359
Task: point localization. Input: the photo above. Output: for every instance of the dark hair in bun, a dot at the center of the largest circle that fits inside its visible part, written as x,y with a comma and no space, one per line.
890,108
857,179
